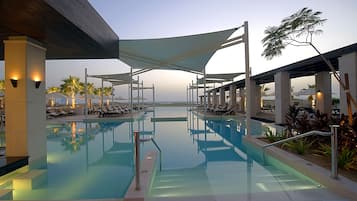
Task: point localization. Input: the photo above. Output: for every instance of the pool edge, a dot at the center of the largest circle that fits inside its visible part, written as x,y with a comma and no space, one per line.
342,186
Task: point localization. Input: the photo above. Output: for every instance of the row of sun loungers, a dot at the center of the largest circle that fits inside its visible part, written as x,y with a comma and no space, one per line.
219,109
115,110
58,112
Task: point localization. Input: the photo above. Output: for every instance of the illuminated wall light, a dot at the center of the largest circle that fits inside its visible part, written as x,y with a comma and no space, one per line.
37,84
14,82
318,93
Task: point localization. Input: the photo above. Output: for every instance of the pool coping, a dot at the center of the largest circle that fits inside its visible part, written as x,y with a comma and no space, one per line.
147,171
341,186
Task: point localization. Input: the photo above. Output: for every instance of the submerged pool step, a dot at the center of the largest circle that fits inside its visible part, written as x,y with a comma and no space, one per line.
30,180
211,181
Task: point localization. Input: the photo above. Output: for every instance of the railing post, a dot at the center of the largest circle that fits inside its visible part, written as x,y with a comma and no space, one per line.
334,151
137,160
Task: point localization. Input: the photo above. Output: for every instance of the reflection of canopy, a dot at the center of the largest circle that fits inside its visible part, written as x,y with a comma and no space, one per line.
222,155
116,158
211,144
121,146
187,53
196,131
110,124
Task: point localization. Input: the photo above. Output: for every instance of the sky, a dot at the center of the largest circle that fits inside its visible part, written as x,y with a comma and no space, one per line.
134,19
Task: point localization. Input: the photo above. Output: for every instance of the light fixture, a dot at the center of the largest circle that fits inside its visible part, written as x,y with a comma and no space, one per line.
37,84
13,82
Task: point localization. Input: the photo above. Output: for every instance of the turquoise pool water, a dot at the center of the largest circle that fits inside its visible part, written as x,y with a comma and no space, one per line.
95,160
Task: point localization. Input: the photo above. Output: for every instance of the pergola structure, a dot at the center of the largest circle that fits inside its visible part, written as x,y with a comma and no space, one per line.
186,53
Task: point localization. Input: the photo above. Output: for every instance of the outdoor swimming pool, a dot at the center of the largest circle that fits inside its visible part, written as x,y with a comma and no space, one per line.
199,158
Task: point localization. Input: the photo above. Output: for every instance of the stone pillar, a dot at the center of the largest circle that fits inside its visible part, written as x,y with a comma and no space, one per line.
25,104
282,96
348,64
222,96
242,99
232,95
323,92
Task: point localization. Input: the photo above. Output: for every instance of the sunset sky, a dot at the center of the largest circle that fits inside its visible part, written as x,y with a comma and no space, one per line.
134,19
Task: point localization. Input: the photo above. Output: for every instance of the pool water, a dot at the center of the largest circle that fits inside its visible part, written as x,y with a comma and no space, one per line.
199,157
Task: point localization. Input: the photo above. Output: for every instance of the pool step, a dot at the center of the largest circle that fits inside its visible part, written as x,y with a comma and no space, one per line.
6,194
30,180
195,181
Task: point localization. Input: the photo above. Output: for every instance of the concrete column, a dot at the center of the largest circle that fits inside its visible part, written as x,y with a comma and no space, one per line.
232,95
348,64
255,105
222,96
215,99
25,104
258,98
282,96
242,99
323,89
209,102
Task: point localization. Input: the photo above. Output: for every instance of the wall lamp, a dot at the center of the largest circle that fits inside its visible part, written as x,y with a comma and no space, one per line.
37,84
13,82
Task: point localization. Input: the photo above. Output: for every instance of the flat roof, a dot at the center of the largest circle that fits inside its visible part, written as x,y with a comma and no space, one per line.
306,67
68,29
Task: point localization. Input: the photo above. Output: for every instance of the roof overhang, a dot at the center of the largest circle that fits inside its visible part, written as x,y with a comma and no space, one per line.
67,29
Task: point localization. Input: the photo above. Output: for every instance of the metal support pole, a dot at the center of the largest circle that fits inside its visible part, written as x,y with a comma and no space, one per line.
189,96
334,151
137,160
153,96
131,90
192,91
197,90
247,78
138,93
142,93
85,94
101,95
204,91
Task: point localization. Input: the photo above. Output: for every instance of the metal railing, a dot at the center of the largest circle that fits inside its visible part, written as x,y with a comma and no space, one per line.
333,134
137,156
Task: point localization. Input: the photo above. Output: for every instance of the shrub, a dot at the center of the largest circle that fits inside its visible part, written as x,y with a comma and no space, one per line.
273,137
300,146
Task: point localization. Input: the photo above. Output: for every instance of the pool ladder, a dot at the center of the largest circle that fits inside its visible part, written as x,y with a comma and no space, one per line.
333,134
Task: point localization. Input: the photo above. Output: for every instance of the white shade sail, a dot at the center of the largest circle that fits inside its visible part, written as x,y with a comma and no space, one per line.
187,53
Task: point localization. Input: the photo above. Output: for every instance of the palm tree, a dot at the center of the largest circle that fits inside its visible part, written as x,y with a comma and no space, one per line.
98,92
71,87
107,91
301,24
90,91
2,86
51,90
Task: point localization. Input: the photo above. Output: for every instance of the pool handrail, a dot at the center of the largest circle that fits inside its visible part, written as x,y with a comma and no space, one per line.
137,156
333,134
314,132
